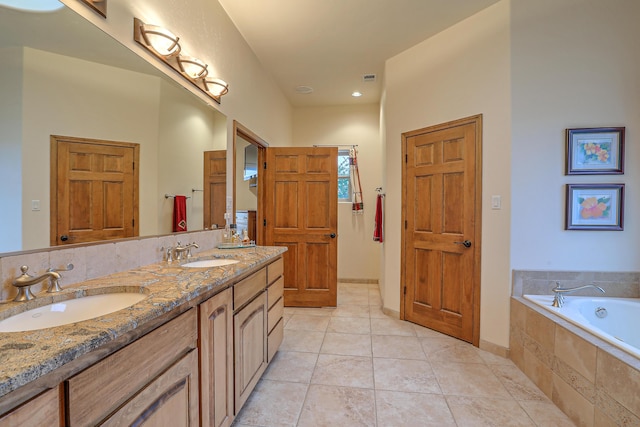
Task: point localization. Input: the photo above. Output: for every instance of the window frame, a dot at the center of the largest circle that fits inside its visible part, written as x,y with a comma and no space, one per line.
342,152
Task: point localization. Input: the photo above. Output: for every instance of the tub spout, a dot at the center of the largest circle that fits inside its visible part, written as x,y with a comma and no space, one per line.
559,291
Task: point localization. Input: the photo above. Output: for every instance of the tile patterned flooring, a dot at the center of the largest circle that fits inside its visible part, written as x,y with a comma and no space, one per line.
354,366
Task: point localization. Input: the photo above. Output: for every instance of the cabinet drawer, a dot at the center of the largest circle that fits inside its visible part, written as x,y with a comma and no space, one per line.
125,372
246,289
275,339
275,291
42,410
275,270
275,314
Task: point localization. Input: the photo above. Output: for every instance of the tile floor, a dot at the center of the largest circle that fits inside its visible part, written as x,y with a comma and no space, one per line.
354,366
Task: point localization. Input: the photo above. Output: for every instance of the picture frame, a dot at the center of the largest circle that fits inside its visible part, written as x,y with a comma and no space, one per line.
595,207
595,151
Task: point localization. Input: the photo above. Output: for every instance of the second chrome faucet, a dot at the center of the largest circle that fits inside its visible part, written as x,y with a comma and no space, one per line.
559,291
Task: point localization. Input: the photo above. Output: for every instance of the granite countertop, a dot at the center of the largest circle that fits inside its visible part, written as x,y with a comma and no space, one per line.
27,356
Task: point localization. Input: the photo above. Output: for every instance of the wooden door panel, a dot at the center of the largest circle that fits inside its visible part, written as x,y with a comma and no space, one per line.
96,183
441,210
215,188
301,213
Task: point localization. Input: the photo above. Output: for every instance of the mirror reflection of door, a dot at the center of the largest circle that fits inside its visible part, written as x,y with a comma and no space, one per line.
215,188
248,155
94,187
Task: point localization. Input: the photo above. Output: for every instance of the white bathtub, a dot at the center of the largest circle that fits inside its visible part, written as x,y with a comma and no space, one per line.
619,326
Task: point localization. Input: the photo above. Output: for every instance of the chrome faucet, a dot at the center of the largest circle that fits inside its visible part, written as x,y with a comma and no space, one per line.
559,291
54,284
25,280
179,250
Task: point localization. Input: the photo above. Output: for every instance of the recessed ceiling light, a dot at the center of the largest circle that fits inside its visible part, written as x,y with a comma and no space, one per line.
356,94
304,89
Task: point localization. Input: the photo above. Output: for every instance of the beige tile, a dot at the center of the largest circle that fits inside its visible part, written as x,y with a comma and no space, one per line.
450,350
516,347
301,322
377,313
346,371
411,409
306,341
483,411
517,384
392,327
469,379
397,347
350,299
572,403
518,314
541,329
577,382
273,403
610,412
347,310
291,366
546,414
619,380
423,332
349,325
375,299
414,376
493,359
338,406
576,352
538,372
347,344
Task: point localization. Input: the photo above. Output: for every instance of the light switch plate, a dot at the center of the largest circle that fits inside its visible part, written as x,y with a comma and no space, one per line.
496,202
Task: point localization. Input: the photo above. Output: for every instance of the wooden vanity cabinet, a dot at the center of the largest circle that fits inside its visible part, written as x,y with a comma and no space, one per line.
249,333
275,302
42,410
153,378
216,360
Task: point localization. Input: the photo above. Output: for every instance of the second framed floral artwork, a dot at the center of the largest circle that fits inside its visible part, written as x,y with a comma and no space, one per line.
595,151
595,207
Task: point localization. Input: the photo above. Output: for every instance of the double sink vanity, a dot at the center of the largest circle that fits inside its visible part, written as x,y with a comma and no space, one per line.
181,343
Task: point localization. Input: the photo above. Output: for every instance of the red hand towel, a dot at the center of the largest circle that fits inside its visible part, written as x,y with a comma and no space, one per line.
180,213
377,231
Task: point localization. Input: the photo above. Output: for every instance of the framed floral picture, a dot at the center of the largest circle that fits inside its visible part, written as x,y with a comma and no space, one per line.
595,151
595,207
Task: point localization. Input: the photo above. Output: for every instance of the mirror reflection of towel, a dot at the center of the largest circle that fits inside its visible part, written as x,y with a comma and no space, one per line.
179,213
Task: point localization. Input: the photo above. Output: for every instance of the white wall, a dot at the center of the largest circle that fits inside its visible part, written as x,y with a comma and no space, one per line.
460,72
11,149
358,254
575,63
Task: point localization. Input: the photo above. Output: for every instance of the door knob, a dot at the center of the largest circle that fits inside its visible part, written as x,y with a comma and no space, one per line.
64,237
465,243
332,235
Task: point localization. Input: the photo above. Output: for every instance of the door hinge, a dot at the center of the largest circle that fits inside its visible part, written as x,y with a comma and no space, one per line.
406,158
133,222
405,224
405,290
134,165
264,222
264,166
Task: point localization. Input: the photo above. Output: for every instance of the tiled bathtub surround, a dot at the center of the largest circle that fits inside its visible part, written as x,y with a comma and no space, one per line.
96,260
593,382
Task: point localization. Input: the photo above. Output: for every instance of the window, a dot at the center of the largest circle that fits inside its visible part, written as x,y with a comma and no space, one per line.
344,180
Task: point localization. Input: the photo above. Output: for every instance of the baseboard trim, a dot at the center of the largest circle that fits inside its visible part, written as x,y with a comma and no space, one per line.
368,281
496,349
391,313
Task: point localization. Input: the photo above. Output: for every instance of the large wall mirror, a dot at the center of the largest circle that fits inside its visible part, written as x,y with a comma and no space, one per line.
61,75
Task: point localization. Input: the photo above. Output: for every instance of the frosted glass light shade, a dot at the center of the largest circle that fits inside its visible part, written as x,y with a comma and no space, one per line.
161,40
216,87
191,67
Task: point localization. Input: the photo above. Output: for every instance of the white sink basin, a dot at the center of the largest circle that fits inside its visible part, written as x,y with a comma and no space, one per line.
205,263
69,311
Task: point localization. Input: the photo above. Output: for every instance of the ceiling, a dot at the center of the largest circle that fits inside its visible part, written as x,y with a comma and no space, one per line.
330,44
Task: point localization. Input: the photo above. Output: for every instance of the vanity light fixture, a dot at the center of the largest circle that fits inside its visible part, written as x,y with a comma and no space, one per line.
166,47
192,68
162,41
216,87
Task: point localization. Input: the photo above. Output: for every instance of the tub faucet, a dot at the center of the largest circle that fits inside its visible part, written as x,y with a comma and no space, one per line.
25,280
559,291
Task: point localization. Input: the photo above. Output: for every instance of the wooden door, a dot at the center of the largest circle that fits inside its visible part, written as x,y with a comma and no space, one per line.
215,188
441,240
94,190
216,360
301,213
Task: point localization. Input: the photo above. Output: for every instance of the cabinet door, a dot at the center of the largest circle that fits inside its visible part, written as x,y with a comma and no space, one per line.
170,400
216,360
250,332
43,410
